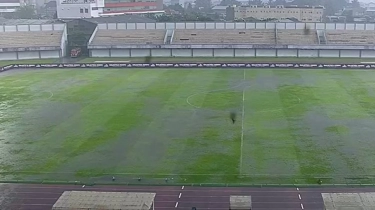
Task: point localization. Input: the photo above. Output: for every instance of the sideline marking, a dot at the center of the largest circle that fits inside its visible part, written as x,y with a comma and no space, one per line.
179,196
177,205
302,206
299,196
243,120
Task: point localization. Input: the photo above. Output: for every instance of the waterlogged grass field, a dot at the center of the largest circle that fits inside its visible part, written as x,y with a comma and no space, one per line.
293,126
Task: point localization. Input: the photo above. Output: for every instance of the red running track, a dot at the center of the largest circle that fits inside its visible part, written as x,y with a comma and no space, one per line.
42,197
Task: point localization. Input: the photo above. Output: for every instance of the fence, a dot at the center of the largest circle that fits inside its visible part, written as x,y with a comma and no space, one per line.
225,25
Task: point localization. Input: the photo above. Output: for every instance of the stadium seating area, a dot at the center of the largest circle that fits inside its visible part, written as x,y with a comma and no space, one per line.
350,37
30,39
221,36
118,37
297,37
231,36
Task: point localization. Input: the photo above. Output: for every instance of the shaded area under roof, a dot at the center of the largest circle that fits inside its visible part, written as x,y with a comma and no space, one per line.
4,21
104,200
118,19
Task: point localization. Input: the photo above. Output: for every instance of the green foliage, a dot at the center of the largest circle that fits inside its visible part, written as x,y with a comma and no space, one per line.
177,7
355,4
230,3
255,2
25,12
203,5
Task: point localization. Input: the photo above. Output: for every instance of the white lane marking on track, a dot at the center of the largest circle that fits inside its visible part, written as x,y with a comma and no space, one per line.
176,205
302,206
243,120
299,196
179,196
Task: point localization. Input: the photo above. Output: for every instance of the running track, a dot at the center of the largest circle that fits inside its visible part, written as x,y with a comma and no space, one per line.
42,197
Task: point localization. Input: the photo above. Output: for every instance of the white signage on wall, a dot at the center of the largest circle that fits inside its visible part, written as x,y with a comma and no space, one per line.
77,1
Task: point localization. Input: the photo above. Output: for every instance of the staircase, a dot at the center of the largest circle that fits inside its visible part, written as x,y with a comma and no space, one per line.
321,37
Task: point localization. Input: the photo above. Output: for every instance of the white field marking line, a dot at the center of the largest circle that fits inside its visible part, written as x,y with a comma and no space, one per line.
161,176
179,196
243,120
302,206
50,95
210,91
33,96
176,205
299,196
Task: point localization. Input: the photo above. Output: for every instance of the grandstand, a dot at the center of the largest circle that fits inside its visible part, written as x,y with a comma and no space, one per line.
297,37
26,39
20,42
219,36
350,37
119,37
191,40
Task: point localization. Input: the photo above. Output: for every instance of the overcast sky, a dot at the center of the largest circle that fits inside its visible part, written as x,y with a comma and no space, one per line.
366,1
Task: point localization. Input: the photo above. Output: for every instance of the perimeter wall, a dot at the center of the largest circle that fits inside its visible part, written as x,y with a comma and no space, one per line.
221,25
301,53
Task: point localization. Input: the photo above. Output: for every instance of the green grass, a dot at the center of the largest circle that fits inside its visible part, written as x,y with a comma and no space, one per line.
90,125
33,61
231,59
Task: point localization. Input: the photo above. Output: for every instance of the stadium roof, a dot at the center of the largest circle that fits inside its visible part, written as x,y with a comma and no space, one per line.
4,21
104,200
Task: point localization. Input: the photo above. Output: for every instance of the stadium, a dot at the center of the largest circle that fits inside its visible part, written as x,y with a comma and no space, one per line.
187,115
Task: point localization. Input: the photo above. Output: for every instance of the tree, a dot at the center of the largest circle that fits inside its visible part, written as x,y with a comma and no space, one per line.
255,2
203,5
189,7
230,3
279,2
25,12
333,6
177,7
355,4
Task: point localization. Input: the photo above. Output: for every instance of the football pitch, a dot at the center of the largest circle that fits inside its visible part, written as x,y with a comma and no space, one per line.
293,126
